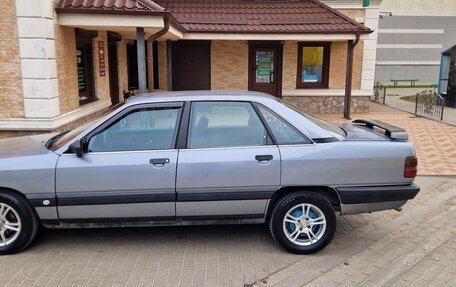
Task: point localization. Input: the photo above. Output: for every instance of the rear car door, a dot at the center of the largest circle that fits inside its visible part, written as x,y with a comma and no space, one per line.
230,167
128,169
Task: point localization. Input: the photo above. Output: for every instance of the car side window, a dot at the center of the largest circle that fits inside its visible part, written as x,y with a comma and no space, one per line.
284,133
225,124
141,129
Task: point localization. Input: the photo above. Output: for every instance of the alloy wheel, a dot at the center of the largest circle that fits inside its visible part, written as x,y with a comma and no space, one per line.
10,225
304,224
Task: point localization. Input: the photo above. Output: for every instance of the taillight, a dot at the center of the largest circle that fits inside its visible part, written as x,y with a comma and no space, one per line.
411,167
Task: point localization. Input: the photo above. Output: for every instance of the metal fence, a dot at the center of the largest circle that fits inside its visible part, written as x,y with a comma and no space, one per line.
379,93
430,103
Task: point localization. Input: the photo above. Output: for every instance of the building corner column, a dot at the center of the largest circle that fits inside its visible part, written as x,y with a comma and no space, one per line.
37,50
371,20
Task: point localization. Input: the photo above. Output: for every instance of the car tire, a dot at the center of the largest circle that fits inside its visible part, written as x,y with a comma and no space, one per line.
303,222
18,223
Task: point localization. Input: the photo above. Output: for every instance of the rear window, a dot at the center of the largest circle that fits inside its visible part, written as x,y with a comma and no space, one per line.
319,122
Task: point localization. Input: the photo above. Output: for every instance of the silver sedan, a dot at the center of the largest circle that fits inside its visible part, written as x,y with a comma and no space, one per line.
204,158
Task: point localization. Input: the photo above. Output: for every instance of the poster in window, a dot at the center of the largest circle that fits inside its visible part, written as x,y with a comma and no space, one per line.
312,64
81,71
265,66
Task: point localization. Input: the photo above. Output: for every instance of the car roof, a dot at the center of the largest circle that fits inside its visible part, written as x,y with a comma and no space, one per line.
179,96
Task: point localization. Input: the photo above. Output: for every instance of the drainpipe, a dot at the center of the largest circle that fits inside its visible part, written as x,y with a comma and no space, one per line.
150,51
349,76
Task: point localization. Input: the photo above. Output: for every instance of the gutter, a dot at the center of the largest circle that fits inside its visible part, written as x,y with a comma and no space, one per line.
349,75
150,53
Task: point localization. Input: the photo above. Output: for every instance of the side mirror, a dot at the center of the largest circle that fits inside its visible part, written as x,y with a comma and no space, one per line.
77,148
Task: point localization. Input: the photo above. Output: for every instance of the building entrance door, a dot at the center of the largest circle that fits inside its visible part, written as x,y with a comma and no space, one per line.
191,65
265,68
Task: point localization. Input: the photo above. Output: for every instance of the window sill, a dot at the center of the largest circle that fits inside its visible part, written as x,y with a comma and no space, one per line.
313,87
49,124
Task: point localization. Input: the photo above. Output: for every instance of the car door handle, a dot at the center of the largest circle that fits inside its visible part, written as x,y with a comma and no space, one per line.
159,161
266,157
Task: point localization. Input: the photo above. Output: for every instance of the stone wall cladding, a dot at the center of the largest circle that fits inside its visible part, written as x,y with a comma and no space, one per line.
11,93
65,41
229,65
327,104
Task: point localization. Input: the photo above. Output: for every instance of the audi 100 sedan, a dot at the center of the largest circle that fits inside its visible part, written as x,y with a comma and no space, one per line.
204,158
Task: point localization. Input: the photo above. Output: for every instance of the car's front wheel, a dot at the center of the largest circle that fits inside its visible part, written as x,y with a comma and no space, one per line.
18,223
303,222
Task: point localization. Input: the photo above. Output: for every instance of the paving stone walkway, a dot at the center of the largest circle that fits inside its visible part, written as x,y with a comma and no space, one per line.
434,141
415,247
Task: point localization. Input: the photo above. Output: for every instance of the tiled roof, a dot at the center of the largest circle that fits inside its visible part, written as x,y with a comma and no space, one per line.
260,16
109,6
231,16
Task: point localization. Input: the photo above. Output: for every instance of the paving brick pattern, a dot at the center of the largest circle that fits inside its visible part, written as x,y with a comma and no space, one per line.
434,141
416,247
389,246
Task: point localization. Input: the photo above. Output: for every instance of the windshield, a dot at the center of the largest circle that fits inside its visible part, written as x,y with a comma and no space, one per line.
63,138
319,122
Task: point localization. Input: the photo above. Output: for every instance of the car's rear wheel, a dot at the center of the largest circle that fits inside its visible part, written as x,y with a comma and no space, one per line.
303,222
18,223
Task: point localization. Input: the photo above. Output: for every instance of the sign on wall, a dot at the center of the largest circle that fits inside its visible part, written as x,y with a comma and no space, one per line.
101,58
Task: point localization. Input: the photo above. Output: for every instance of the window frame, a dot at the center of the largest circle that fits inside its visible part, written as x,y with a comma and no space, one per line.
324,84
84,42
257,107
183,141
85,139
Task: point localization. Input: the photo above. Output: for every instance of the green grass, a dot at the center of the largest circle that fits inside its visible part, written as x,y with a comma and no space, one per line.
411,98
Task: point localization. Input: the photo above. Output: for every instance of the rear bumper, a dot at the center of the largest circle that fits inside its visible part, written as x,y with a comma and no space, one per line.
362,199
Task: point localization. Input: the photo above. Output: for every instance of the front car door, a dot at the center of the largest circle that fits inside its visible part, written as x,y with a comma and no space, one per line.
230,167
128,169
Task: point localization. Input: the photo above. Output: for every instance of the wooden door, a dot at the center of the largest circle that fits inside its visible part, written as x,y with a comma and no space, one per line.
265,71
191,65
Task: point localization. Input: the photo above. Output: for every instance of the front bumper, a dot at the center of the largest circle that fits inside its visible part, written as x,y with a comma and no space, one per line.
361,199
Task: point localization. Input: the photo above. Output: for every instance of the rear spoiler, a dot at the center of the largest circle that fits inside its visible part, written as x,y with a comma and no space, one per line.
391,131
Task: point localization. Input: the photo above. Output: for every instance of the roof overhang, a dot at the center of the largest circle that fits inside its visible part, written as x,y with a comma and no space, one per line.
124,24
111,21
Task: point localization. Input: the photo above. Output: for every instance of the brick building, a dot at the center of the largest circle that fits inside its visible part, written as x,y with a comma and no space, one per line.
66,61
